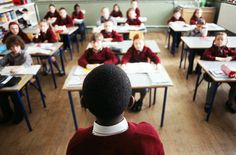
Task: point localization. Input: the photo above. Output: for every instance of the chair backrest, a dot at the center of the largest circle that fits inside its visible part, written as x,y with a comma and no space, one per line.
133,33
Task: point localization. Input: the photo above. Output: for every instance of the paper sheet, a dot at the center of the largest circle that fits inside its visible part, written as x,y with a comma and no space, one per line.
34,50
21,70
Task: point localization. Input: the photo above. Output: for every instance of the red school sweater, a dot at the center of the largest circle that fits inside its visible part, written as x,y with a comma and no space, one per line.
135,22
173,19
105,56
139,139
50,36
133,55
68,22
77,15
50,15
116,14
215,51
114,35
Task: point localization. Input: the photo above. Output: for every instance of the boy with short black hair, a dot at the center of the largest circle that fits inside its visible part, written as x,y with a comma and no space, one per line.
107,93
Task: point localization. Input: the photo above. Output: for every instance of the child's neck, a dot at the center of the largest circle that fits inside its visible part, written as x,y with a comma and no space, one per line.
110,122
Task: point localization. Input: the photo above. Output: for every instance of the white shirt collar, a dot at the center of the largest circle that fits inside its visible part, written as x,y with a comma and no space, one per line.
99,130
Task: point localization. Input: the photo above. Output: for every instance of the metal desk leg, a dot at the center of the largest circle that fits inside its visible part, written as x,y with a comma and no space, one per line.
62,62
53,75
214,86
40,90
163,107
196,85
27,98
150,96
181,56
73,110
24,111
154,98
169,39
69,45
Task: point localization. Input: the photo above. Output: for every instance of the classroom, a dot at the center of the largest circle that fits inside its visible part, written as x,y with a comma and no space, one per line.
106,77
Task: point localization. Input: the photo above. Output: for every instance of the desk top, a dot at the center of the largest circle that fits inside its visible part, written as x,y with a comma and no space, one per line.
33,29
122,29
214,66
124,19
157,79
126,44
205,42
54,47
177,27
19,86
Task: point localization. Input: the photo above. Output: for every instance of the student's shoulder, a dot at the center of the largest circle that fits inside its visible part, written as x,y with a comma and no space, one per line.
143,129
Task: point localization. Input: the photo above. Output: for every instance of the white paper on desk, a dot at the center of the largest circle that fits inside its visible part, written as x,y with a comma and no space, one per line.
218,73
34,50
74,81
46,46
158,77
78,21
21,70
141,67
109,44
81,71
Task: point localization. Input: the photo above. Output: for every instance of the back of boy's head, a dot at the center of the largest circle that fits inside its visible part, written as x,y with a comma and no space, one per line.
106,91
201,21
96,37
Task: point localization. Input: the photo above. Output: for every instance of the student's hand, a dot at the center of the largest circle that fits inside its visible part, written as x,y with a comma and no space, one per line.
107,39
228,58
46,41
37,33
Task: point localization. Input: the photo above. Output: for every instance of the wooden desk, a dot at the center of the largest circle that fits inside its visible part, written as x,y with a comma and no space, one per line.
122,20
137,81
200,43
126,44
208,66
56,47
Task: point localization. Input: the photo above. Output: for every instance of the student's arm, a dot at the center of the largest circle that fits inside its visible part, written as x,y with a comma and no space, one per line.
233,54
51,36
83,59
28,60
69,22
116,37
110,56
137,12
4,61
126,58
153,56
207,55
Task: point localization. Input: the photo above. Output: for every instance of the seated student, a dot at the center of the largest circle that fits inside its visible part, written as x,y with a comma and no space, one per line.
97,55
52,14
107,93
220,52
199,31
132,18
196,16
138,52
134,5
116,11
45,34
78,19
14,29
105,15
176,18
64,19
17,56
109,34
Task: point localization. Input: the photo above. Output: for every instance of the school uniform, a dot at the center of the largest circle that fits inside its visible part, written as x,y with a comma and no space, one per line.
52,15
176,35
193,20
134,55
68,22
105,55
116,13
102,20
24,59
21,34
116,37
50,36
137,11
135,22
81,30
211,54
124,138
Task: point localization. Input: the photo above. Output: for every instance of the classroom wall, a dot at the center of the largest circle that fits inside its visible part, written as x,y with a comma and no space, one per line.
157,12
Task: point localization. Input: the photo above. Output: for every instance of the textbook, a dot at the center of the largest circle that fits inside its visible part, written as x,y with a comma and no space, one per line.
21,70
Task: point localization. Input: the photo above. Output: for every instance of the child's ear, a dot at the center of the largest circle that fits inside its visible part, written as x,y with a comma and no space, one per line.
131,102
83,103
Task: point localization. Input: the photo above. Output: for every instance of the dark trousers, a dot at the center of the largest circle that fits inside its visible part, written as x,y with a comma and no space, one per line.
81,31
5,105
142,92
175,41
191,57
